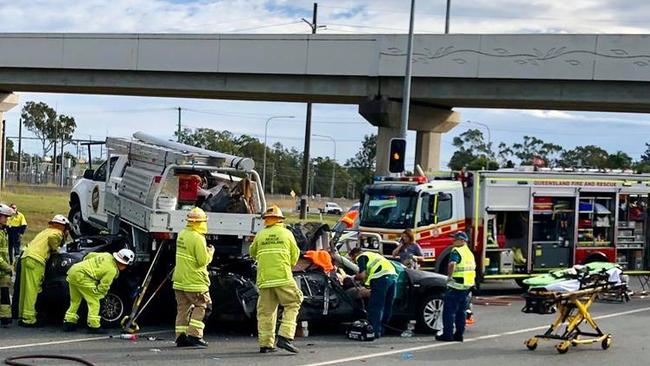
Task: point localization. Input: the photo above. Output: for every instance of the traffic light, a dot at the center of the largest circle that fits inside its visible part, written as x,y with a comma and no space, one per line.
397,155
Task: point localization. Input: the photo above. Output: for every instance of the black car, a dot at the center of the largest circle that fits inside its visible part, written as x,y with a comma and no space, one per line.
54,298
233,290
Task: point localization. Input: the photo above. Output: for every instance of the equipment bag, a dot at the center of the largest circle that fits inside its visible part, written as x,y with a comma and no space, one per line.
360,330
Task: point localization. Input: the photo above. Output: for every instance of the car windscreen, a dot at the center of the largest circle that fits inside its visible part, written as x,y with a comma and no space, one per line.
388,209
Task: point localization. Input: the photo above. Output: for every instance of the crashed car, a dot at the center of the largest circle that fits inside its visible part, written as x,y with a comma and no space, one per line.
233,290
55,297
326,298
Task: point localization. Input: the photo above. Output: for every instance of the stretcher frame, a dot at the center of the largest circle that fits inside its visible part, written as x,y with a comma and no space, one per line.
572,310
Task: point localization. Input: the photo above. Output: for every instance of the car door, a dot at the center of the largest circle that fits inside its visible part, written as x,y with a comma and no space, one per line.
96,212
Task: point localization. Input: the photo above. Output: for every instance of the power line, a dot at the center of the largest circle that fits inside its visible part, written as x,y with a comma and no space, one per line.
261,27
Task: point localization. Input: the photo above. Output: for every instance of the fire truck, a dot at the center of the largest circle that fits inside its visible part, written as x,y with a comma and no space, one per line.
521,221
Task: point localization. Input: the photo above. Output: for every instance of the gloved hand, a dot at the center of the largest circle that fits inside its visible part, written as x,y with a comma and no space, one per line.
210,249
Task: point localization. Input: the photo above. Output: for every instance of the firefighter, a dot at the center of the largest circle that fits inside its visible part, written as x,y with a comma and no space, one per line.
461,279
17,224
6,270
379,274
90,280
276,253
32,266
191,280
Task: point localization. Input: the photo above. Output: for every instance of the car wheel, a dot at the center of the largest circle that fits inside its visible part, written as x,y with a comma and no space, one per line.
112,309
430,314
78,227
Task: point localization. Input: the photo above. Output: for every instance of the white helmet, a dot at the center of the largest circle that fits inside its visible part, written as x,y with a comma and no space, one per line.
6,210
124,256
60,219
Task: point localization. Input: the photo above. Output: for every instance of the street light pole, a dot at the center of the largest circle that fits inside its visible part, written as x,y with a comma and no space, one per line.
406,99
486,127
333,163
447,16
266,131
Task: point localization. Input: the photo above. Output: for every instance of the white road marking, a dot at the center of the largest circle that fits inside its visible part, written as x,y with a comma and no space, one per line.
444,344
77,340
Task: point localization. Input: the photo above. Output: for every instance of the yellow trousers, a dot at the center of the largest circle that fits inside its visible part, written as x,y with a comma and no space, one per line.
78,293
290,298
190,312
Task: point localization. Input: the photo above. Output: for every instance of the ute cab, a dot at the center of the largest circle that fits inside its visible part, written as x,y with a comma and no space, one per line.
432,209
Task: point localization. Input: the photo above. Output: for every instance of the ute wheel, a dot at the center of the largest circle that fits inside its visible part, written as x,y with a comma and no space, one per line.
531,344
607,342
563,347
78,227
429,316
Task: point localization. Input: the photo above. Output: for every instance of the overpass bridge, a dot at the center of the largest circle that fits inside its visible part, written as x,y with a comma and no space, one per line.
571,72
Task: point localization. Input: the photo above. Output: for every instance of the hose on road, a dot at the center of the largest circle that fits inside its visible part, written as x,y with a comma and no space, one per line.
13,361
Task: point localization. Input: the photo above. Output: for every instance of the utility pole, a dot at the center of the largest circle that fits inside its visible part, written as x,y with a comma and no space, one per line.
305,158
4,154
447,16
56,130
178,138
272,177
62,146
20,148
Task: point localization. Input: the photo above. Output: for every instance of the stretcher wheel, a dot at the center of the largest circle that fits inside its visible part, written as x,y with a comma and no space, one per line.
607,342
531,344
563,347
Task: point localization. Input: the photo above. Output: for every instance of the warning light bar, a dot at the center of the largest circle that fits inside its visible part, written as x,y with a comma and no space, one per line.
417,179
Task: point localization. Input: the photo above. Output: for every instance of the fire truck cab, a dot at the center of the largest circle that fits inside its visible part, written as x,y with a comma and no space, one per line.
521,222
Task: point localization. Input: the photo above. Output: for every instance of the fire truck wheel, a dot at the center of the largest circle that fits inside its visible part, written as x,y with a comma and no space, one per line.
595,257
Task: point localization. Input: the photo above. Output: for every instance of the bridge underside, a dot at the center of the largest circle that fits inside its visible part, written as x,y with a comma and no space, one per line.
578,95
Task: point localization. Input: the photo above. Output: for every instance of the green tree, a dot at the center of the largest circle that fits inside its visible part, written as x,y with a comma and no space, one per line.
532,148
472,152
619,160
589,156
362,167
46,125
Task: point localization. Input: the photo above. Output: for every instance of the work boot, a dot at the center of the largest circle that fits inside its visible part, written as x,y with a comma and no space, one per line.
444,339
196,342
28,325
6,322
97,331
286,344
458,337
268,349
69,327
181,341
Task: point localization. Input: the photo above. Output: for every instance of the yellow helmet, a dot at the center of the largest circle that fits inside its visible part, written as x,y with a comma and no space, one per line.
197,215
273,211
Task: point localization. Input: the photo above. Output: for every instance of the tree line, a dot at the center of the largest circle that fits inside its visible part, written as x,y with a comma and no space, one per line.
474,153
284,165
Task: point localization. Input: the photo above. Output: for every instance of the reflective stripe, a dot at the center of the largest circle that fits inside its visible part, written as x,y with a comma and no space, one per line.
185,256
197,324
181,329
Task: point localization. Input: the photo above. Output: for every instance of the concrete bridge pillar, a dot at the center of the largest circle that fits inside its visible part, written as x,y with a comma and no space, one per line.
7,101
429,122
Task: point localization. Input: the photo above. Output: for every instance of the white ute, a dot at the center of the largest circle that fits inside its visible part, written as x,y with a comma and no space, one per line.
153,183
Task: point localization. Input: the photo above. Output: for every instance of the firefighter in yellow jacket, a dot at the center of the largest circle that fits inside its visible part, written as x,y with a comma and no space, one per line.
32,266
90,280
191,280
6,270
276,252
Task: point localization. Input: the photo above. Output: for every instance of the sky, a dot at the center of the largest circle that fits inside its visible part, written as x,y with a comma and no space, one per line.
98,116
